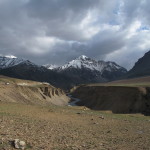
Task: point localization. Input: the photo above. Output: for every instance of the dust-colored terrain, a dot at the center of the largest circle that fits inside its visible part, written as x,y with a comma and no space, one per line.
29,92
28,113
124,96
71,128
114,98
134,82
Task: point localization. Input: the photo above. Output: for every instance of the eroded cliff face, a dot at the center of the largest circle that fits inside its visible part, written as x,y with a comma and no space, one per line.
114,98
56,95
32,94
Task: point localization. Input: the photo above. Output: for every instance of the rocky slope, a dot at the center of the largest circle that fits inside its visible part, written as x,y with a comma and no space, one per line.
118,99
22,91
141,67
10,61
91,64
86,70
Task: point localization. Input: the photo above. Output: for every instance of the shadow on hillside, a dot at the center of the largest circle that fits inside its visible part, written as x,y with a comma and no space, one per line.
118,99
128,111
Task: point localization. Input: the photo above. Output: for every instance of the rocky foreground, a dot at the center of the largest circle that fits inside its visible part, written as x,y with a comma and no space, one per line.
71,128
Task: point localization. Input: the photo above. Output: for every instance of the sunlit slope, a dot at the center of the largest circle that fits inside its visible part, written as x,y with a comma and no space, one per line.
30,92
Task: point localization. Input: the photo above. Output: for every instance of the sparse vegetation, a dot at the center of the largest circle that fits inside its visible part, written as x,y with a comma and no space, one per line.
135,82
72,128
51,127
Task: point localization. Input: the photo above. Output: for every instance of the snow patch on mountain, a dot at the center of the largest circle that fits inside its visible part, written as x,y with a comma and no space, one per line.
51,67
10,61
10,56
91,64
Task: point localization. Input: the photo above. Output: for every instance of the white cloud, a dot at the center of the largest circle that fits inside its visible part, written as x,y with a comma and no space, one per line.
58,31
133,29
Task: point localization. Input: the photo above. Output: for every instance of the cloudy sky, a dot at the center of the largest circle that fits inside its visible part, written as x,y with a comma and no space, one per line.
57,31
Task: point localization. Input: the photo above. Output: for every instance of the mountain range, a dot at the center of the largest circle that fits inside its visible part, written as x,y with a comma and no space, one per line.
89,69
81,70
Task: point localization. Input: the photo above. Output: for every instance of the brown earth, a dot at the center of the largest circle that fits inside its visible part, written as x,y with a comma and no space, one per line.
28,92
27,113
142,81
118,99
134,80
71,128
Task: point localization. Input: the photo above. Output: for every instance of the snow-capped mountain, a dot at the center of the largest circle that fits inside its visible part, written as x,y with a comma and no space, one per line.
49,66
85,70
84,62
10,56
10,61
12,66
82,70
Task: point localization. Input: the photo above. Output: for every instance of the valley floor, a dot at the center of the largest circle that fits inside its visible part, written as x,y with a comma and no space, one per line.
72,128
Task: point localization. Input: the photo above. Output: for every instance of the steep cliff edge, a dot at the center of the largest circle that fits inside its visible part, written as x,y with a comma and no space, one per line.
117,99
28,92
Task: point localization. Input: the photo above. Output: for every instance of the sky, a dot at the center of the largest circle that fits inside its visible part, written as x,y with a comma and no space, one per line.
57,31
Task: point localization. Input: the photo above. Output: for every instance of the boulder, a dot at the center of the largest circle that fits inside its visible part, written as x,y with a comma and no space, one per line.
19,144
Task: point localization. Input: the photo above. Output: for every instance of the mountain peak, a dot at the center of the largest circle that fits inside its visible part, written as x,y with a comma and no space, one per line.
82,57
85,63
10,61
10,56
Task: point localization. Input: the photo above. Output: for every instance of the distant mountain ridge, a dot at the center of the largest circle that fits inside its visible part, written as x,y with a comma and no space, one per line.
82,70
10,61
86,62
102,70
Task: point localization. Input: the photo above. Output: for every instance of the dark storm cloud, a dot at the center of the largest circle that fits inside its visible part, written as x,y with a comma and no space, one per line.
63,18
56,31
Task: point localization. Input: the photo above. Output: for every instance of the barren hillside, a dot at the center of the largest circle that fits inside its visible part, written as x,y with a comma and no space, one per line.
50,127
134,82
126,96
28,92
